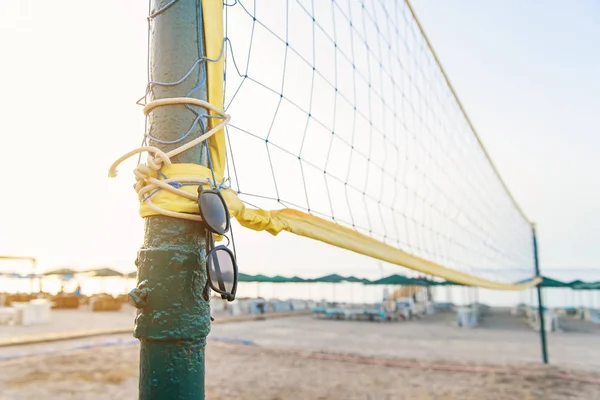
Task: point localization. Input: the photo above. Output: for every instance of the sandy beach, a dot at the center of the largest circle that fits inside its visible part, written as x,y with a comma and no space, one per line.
308,358
249,372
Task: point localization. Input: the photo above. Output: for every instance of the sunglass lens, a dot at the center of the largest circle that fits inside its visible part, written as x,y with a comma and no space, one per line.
221,270
214,211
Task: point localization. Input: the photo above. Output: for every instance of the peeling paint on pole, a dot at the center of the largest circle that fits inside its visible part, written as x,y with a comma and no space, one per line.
173,318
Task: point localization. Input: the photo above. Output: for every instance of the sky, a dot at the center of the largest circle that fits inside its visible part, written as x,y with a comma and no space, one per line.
525,73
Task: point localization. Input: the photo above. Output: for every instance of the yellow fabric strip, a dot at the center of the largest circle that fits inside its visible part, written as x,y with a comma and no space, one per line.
212,18
309,226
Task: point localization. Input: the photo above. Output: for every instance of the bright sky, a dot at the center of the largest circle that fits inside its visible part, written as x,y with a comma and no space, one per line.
525,73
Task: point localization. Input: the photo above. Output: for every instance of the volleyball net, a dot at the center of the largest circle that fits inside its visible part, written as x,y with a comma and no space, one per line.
345,129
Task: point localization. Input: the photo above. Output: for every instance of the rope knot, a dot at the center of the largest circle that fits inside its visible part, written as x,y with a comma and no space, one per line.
146,174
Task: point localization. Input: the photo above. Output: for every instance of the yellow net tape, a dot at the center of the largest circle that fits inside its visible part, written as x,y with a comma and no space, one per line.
182,202
173,202
212,12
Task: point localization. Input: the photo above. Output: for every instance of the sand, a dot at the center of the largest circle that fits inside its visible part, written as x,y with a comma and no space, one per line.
501,339
307,358
82,319
252,372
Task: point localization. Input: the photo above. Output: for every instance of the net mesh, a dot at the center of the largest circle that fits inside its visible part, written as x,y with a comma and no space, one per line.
340,109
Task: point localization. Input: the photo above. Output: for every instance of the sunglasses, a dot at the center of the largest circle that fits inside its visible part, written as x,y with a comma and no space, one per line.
221,265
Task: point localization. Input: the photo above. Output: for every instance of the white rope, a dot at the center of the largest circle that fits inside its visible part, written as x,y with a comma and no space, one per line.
144,173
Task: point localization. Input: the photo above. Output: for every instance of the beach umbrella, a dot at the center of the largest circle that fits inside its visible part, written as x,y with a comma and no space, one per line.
284,279
440,283
589,286
574,284
279,279
104,272
399,280
296,279
353,279
245,278
449,283
253,278
333,278
261,278
424,282
593,286
396,280
61,272
583,286
549,282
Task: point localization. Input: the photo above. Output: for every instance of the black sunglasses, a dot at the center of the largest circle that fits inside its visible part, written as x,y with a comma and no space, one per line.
221,266
213,210
221,271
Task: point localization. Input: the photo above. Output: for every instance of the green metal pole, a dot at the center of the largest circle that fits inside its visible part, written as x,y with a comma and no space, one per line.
540,300
173,318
